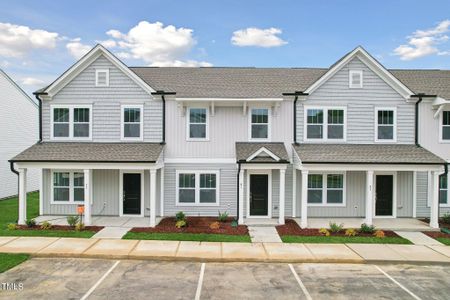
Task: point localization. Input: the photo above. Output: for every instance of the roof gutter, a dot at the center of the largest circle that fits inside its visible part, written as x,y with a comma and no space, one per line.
295,94
162,94
37,94
416,124
11,166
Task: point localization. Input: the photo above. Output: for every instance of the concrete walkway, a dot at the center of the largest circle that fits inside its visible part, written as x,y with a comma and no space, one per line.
111,233
418,238
264,234
225,252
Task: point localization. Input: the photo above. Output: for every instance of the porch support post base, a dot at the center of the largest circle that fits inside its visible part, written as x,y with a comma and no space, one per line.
152,198
282,196
369,197
22,196
304,200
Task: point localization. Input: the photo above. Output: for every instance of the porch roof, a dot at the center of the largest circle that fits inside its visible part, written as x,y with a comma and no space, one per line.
245,151
91,152
365,154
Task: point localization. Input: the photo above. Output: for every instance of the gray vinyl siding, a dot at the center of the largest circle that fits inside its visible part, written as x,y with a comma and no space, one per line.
106,102
361,104
423,210
405,194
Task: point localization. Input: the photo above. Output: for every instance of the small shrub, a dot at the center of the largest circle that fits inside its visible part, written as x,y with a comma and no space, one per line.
214,225
324,231
31,222
12,226
379,234
223,216
351,232
367,228
72,220
335,228
446,218
79,226
46,225
180,224
234,223
180,216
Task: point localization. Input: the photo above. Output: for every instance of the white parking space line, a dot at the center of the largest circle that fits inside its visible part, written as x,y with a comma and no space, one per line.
300,283
398,283
200,282
92,289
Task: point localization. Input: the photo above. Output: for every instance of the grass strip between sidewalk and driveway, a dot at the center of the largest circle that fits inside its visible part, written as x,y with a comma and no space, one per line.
445,241
343,240
10,260
200,237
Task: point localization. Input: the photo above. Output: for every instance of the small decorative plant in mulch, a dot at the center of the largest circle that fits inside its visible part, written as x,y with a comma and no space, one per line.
195,225
56,227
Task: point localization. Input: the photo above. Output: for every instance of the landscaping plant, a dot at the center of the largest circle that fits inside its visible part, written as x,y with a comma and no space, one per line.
446,218
379,234
223,216
79,226
180,223
324,231
180,216
72,220
335,228
367,228
12,226
46,225
30,223
351,232
214,225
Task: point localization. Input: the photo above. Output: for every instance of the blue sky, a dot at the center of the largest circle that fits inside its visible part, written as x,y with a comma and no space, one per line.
400,34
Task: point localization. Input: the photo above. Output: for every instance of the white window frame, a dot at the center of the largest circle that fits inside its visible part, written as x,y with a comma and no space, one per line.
324,124
447,189
197,187
71,187
394,109
122,122
97,71
188,122
352,85
441,128
325,188
269,125
71,122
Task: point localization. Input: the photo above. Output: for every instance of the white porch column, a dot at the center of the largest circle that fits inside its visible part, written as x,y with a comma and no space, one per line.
434,203
41,192
294,192
161,193
22,196
241,197
87,197
152,198
282,196
304,200
369,197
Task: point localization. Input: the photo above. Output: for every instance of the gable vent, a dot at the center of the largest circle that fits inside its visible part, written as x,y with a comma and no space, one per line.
356,79
102,77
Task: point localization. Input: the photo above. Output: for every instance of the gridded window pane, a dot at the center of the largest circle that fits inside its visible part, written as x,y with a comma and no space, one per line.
315,116
61,194
314,196
208,196
446,125
60,115
335,196
315,131
197,123
260,123
78,194
315,181
186,180
186,196
385,132
61,122
335,181
259,131
208,181
197,115
132,115
197,131
186,184
61,130
386,117
335,124
81,115
78,179
132,130
446,133
443,194
61,190
335,116
446,118
443,189
207,188
260,116
78,183
81,130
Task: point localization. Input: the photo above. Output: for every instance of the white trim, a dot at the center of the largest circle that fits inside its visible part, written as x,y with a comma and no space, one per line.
325,189
121,173
197,187
41,191
71,187
199,161
263,166
372,64
388,108
351,85
188,127
86,165
122,122
414,194
228,99
71,108
106,71
269,125
447,189
265,150
441,128
161,193
324,124
394,195
269,193
365,167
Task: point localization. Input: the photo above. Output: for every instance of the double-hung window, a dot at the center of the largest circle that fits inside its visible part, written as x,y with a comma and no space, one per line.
132,122
197,124
385,127
443,191
326,189
445,127
326,124
259,124
68,187
197,188
71,122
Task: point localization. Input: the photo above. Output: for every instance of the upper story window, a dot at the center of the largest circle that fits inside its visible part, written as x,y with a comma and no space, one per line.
102,77
385,127
443,190
197,124
132,122
68,187
197,188
259,124
325,124
326,189
355,79
71,122
445,126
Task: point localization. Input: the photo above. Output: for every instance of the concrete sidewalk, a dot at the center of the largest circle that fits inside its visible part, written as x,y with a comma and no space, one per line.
225,252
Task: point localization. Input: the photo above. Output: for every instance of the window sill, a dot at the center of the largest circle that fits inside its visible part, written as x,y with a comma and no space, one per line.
326,205
67,202
196,204
198,140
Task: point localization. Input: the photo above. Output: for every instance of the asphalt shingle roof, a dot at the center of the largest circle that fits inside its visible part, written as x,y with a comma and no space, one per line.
368,154
245,149
91,152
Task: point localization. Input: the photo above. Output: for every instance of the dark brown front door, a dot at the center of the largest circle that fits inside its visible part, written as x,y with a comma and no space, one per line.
259,194
384,195
131,194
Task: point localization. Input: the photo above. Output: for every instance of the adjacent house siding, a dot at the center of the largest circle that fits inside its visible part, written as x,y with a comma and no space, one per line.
405,194
423,210
361,104
106,102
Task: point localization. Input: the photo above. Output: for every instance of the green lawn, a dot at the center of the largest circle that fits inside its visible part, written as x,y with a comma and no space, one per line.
10,260
343,239
443,240
201,237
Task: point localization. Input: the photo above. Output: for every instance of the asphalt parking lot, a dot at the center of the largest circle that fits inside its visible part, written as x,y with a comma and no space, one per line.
73,278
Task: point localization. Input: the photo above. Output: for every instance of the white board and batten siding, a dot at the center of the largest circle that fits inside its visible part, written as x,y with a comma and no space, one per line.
19,130
423,208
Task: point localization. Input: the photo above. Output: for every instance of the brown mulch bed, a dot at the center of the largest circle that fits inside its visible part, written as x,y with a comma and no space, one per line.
60,228
442,224
292,228
436,234
195,225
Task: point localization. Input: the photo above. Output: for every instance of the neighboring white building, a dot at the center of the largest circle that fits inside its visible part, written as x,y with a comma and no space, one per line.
18,131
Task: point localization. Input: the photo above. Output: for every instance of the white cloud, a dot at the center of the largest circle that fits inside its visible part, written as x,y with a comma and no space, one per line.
77,49
108,43
156,44
180,63
424,42
257,37
32,81
16,40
